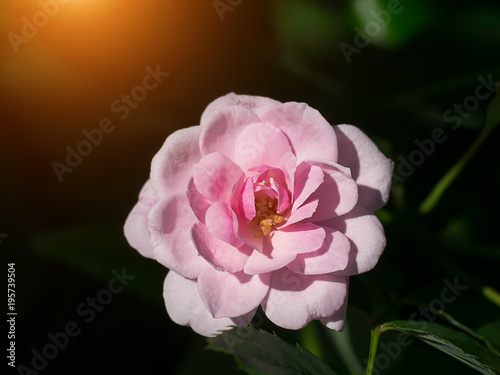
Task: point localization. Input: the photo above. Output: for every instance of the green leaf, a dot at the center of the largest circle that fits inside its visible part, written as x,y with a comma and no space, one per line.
258,352
472,351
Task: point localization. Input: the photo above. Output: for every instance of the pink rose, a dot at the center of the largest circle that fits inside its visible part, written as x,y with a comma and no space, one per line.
264,203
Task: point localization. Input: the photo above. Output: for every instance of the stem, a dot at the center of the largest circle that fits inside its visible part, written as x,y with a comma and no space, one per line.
309,340
432,199
344,346
373,349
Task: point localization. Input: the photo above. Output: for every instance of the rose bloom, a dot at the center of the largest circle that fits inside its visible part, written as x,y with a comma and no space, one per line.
264,203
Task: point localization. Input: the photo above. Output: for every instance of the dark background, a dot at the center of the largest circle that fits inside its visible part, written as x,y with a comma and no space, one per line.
66,237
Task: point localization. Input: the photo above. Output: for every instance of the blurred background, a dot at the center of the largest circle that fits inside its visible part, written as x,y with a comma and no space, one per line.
65,67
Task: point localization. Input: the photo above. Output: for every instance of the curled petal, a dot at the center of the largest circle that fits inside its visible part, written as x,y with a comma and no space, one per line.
231,294
303,212
171,168
288,164
338,194
246,201
283,200
185,307
308,179
294,300
219,254
246,232
136,226
369,167
170,222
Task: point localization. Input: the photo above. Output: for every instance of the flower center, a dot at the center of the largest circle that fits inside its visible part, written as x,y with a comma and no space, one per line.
266,214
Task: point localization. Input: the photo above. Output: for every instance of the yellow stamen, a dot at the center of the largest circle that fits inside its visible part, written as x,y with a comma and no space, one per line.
267,222
266,215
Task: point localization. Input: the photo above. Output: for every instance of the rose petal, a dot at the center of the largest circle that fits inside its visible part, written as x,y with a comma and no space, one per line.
136,226
332,256
308,179
298,238
221,128
256,104
231,294
219,222
310,135
267,261
338,194
369,167
261,143
170,222
283,200
303,212
294,300
337,320
367,239
171,168
246,233
288,164
199,204
246,202
215,175
185,307
218,253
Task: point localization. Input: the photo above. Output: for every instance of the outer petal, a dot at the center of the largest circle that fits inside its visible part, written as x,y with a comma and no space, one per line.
369,167
218,253
171,166
185,307
338,194
220,129
231,294
136,226
220,224
170,222
367,239
310,135
294,300
256,104
298,238
260,143
215,175
332,256
199,204
337,320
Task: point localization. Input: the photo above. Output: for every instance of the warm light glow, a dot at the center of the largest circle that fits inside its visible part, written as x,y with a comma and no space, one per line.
85,53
